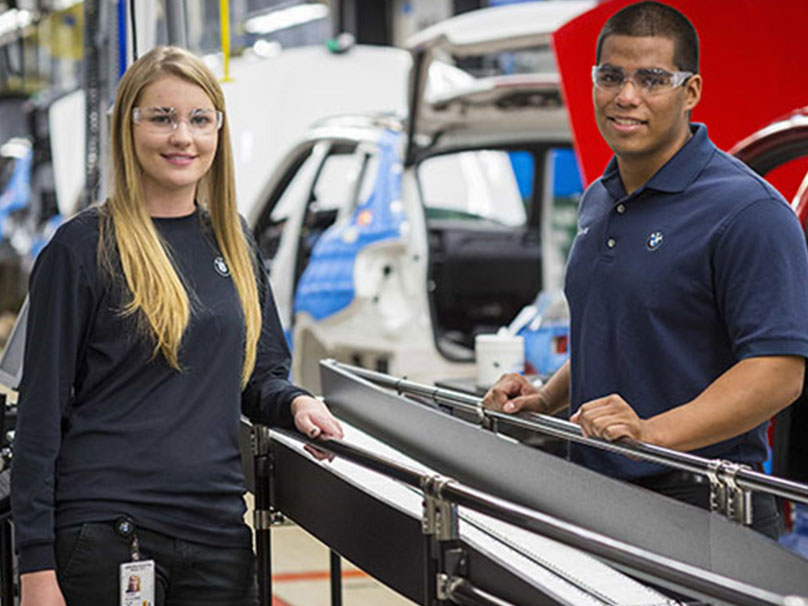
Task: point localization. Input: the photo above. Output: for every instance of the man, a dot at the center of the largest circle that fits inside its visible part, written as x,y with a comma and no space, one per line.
687,282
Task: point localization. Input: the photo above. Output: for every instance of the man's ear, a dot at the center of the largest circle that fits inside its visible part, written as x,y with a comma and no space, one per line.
693,91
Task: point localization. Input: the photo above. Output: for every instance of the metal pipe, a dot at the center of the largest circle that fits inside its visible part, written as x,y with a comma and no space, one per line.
460,591
262,461
224,28
6,562
634,560
175,23
746,478
335,577
637,561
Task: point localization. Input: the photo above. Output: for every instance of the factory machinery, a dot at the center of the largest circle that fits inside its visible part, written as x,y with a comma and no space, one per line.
428,496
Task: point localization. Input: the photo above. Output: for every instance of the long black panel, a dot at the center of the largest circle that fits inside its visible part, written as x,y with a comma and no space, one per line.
381,539
565,490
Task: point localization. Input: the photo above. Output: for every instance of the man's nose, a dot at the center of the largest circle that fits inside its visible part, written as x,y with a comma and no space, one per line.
629,93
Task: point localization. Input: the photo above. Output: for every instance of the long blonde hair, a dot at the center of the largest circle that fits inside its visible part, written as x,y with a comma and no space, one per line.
158,297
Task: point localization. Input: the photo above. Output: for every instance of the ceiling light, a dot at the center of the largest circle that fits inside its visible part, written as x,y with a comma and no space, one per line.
13,20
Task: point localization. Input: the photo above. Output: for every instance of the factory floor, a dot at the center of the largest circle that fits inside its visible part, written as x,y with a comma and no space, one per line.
300,575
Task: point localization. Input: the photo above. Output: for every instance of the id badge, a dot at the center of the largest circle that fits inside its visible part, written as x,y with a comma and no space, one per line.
137,583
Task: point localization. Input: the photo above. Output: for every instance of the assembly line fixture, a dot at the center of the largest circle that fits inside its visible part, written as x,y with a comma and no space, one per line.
730,483
445,556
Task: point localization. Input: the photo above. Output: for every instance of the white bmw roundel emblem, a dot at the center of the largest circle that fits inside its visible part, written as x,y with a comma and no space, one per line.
221,266
654,241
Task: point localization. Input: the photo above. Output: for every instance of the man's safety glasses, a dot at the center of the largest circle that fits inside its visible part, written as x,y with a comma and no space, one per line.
164,120
648,81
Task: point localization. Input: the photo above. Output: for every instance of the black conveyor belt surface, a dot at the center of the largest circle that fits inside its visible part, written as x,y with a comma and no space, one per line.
562,489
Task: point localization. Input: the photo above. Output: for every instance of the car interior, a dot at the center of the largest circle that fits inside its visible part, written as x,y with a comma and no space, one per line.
483,212
485,261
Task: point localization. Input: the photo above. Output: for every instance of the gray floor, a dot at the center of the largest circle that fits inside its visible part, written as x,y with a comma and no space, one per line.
300,567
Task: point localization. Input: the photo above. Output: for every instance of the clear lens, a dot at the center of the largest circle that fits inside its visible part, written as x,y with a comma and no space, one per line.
164,120
647,81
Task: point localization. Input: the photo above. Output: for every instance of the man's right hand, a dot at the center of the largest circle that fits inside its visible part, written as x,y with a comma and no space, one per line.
40,589
513,393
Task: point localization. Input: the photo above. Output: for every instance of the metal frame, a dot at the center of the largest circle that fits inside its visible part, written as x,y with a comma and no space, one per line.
446,580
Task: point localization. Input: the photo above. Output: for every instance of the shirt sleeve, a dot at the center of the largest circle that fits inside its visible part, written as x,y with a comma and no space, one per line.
61,302
761,274
268,395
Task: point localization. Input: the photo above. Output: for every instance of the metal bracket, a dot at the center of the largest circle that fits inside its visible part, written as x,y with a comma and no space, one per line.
455,566
276,518
264,519
260,440
439,515
726,496
442,587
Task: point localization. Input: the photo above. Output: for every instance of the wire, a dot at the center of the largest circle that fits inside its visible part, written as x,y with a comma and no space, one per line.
134,29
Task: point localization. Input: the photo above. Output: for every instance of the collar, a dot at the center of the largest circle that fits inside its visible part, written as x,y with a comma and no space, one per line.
676,175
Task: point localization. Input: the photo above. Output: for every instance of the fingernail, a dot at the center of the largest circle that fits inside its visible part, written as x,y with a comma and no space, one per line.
508,407
313,432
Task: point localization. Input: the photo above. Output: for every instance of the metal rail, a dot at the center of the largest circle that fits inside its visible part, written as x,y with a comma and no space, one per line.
746,479
633,560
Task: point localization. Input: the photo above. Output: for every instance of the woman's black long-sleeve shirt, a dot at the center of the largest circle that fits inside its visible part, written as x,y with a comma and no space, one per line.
105,429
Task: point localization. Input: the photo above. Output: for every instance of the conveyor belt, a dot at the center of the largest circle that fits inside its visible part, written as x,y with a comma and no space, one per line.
505,560
564,490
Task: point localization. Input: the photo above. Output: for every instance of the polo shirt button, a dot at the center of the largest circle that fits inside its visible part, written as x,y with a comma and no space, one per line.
621,208
611,242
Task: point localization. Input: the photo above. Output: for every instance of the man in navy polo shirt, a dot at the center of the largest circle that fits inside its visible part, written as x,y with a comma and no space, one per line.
687,282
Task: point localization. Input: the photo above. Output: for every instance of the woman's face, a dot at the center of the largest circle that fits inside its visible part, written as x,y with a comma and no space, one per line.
174,140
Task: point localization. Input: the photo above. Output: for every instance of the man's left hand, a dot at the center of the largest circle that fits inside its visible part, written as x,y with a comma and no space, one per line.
611,418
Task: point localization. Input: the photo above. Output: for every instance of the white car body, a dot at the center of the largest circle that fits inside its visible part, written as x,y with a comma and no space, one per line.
453,142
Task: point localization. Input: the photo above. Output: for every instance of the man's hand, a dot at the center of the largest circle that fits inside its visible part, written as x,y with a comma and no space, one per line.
611,418
512,393
314,420
40,589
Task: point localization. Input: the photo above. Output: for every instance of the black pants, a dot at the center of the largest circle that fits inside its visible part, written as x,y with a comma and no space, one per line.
695,489
186,574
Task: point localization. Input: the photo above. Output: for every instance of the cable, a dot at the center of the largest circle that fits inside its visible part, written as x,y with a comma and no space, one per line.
134,29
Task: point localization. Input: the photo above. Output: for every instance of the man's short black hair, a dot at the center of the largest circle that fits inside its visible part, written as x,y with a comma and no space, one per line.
656,19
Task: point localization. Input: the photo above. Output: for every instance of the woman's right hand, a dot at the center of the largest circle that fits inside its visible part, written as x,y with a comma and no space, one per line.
40,589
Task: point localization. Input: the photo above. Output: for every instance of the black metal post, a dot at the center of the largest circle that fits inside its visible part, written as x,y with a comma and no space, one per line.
6,563
336,578
262,521
430,571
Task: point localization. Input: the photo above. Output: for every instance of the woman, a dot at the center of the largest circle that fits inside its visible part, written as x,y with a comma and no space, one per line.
152,327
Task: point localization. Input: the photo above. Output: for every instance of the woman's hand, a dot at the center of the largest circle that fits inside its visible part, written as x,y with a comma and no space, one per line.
314,420
40,589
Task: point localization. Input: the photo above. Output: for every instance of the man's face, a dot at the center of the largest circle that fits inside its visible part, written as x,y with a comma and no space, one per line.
639,127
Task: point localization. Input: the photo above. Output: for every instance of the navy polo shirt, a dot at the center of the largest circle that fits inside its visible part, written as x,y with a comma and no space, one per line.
673,284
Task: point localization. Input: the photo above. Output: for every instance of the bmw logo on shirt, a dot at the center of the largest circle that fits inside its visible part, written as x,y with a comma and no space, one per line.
654,241
220,266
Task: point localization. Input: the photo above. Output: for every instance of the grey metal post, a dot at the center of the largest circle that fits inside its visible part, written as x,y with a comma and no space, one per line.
176,23
92,88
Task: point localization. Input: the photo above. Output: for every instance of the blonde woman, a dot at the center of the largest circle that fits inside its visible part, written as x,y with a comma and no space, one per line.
152,328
